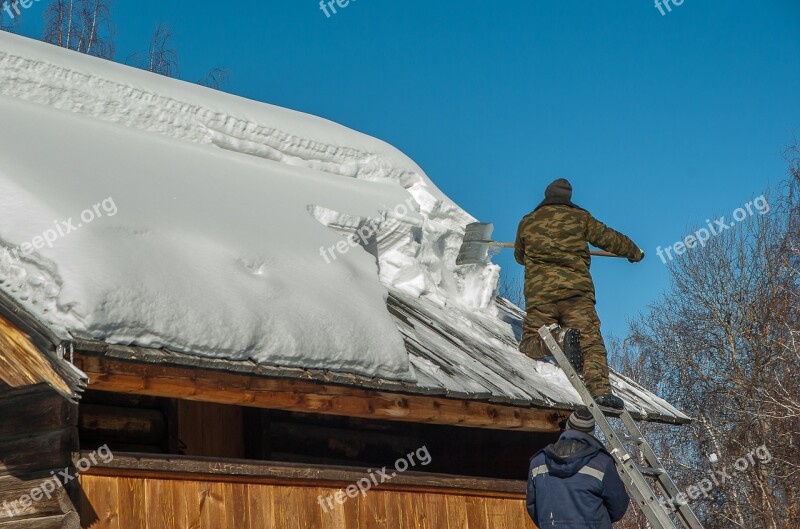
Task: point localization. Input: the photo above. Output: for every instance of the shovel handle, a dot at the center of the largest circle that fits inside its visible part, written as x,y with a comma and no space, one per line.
596,253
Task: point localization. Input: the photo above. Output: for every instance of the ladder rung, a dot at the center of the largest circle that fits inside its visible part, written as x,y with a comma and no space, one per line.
651,472
631,439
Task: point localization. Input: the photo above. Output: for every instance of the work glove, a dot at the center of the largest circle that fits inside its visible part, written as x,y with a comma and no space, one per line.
638,257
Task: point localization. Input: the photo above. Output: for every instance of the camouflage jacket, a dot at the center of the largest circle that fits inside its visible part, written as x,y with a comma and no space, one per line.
552,245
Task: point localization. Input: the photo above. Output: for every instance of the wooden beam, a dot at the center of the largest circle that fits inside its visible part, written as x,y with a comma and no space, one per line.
222,387
21,362
295,474
129,425
61,521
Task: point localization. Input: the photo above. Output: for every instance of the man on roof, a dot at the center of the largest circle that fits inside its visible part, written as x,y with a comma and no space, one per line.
553,246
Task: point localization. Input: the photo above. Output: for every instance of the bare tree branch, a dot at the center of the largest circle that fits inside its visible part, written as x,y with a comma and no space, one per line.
216,78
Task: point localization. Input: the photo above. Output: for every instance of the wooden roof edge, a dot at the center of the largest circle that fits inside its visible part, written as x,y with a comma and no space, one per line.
248,367
158,357
48,344
39,332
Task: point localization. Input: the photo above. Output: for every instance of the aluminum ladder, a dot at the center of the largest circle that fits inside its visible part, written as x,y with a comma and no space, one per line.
634,475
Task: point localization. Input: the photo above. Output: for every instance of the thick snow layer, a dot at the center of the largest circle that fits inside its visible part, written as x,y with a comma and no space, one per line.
215,220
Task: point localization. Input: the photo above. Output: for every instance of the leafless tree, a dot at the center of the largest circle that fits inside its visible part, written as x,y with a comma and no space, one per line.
722,345
81,25
216,78
162,58
512,287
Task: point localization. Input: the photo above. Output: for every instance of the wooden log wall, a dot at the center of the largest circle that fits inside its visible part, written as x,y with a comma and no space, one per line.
38,435
126,423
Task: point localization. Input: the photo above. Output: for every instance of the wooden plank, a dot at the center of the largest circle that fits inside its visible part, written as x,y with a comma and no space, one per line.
181,467
434,509
210,429
223,431
214,515
237,504
456,513
476,513
132,498
295,395
156,509
64,521
293,508
330,518
372,510
397,514
173,501
99,503
261,506
503,515
351,509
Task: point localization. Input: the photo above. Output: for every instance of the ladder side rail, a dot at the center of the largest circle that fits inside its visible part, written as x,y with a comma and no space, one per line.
640,488
670,490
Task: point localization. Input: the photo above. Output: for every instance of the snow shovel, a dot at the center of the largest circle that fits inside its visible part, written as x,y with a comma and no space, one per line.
478,241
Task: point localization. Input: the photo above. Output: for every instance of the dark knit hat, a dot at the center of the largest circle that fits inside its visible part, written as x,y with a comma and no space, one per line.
560,189
581,420
558,193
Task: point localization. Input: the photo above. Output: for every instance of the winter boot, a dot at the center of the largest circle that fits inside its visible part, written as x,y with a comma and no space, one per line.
610,401
570,342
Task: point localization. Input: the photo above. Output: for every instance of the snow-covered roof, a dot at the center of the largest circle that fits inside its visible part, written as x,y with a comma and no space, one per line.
148,212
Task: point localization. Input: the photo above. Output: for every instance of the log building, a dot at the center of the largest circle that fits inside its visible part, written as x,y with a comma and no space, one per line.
98,435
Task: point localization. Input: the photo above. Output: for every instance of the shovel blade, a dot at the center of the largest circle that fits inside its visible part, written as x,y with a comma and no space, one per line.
475,248
478,231
472,253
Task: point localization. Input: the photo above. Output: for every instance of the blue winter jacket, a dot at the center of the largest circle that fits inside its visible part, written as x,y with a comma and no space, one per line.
574,484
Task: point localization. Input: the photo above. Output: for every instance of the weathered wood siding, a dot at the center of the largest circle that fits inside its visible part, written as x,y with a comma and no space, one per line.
38,435
209,429
111,502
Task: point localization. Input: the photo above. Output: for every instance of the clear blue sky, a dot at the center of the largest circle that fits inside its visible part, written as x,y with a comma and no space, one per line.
660,121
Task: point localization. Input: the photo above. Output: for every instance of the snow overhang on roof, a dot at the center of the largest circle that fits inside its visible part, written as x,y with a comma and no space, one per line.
143,211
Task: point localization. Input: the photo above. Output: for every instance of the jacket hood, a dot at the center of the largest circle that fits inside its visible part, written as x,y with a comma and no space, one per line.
571,453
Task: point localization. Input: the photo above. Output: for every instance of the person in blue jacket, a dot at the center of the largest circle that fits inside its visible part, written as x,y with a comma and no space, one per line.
574,483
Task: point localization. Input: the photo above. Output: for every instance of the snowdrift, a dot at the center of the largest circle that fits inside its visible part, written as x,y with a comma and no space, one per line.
227,215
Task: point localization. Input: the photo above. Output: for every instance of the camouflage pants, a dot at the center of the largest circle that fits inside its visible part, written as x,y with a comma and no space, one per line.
578,313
